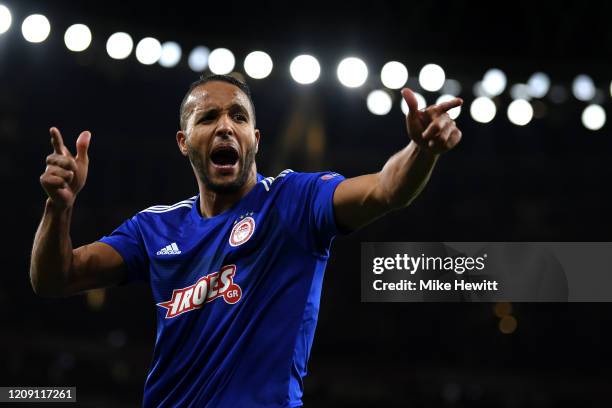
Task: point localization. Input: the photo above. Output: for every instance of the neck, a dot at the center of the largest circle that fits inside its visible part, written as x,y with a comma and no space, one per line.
213,203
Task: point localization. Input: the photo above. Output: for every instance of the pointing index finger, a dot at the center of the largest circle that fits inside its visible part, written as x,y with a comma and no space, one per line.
448,105
57,141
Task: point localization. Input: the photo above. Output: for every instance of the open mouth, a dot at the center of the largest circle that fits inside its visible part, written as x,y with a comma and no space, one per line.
224,156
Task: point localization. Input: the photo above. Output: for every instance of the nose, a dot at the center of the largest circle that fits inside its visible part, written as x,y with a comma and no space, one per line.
224,128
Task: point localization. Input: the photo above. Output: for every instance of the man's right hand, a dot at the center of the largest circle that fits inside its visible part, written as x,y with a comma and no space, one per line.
65,174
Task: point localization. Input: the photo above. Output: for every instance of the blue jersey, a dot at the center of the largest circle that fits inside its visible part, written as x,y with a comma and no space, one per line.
237,295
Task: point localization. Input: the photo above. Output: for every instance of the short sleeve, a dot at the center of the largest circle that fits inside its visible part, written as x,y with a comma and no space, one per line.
127,240
308,208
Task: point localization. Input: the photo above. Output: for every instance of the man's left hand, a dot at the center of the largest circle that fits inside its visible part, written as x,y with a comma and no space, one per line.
431,128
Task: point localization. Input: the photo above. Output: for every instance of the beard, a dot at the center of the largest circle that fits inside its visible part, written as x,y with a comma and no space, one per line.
201,166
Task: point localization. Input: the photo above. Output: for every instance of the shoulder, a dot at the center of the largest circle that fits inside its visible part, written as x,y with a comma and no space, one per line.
289,179
178,209
269,182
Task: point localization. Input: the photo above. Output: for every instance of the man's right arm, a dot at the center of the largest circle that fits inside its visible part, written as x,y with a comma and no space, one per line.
56,268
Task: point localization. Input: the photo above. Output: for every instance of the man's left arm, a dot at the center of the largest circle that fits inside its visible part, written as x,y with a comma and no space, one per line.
360,200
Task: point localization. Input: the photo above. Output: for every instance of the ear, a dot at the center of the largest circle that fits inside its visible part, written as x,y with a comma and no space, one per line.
257,136
181,140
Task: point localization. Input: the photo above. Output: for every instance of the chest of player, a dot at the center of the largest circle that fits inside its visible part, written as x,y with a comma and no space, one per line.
216,258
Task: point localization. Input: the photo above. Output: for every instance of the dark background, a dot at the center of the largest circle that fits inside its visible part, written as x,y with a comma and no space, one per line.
547,181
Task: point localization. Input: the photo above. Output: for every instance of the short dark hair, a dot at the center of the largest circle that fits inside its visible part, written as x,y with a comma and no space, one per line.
209,78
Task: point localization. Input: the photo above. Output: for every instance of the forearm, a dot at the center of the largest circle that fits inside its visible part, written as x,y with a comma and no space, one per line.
405,175
52,251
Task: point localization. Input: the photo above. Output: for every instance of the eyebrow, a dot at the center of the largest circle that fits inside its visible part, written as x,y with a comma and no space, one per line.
234,106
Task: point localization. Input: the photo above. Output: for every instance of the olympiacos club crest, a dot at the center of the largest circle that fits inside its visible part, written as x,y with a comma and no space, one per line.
242,231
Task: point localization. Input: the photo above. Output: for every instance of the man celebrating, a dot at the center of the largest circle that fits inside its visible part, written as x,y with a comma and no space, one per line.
236,271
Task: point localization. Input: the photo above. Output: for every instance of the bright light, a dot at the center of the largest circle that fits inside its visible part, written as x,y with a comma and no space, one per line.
520,112
483,109
198,58
494,82
77,37
305,69
421,103
5,19
451,87
352,72
258,65
394,75
593,117
35,28
453,113
611,88
379,102
170,54
583,88
431,77
520,91
221,61
148,51
119,46
539,84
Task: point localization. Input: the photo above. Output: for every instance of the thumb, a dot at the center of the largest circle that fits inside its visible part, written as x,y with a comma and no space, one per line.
411,101
82,145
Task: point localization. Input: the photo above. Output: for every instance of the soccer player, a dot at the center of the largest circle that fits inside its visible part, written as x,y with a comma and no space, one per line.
236,270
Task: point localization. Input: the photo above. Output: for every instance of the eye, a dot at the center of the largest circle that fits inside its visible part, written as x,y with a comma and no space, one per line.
207,117
240,117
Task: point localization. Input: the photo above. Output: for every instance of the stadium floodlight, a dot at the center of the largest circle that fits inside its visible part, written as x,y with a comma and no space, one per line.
453,113
379,102
5,19
258,65
520,112
432,77
198,58
539,84
221,61
394,75
35,28
119,45
583,88
305,69
494,82
148,51
352,72
483,109
170,54
593,117
77,37
421,103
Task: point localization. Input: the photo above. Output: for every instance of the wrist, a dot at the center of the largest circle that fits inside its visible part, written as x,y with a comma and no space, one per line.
424,151
57,208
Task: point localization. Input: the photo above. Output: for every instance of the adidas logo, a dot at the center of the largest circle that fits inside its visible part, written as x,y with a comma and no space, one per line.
171,249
